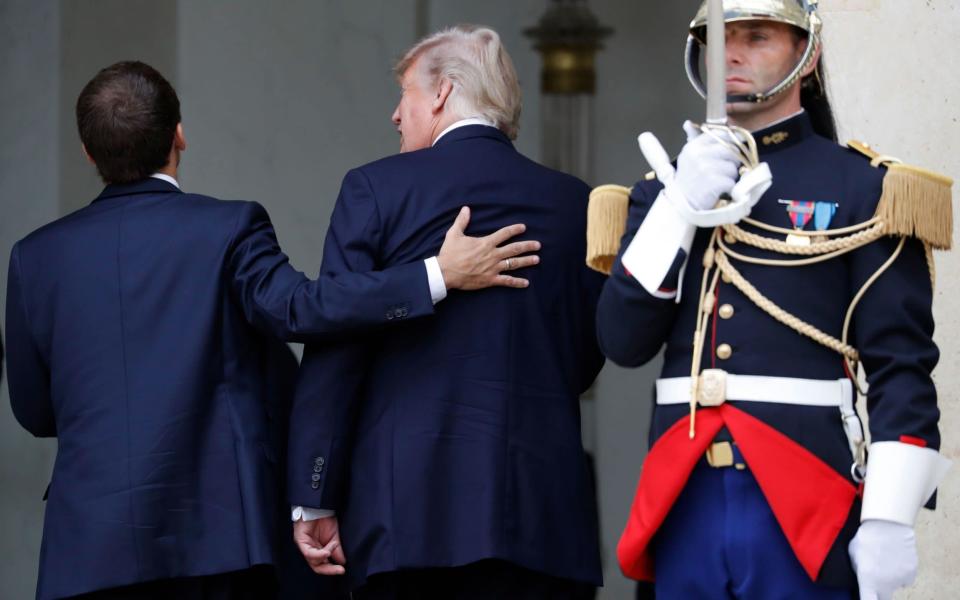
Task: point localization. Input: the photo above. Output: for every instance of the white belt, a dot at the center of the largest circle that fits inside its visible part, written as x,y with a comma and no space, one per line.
758,388
778,390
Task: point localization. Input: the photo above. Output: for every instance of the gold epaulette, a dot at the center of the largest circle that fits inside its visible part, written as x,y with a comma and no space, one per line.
915,201
606,222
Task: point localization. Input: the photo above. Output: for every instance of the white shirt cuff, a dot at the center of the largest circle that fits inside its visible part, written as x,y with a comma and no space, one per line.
438,289
651,253
900,479
303,513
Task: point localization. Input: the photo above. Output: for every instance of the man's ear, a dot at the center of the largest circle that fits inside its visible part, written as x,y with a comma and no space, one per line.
443,92
87,154
179,141
802,47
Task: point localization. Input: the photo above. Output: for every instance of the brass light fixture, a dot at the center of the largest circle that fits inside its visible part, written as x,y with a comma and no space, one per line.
568,36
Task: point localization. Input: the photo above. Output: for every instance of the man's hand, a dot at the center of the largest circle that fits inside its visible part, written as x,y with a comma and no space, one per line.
706,169
469,263
319,542
884,555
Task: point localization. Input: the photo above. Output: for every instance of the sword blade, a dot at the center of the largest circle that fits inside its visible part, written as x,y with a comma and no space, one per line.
716,64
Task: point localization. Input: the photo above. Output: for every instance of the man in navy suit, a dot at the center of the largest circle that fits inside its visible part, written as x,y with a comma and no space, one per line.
138,332
447,454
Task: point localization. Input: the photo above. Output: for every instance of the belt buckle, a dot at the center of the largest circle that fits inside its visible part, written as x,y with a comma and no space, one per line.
712,390
720,454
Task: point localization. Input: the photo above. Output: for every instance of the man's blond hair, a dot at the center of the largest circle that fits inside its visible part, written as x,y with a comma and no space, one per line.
478,67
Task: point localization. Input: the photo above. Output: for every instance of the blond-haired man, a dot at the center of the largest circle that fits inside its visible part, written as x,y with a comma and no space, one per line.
450,453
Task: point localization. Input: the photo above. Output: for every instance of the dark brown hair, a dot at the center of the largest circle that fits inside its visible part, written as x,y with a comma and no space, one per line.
127,116
813,95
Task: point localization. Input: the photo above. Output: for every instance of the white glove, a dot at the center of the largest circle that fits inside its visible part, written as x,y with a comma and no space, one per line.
706,169
884,555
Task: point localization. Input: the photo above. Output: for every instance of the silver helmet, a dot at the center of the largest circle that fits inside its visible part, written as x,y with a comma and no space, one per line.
798,13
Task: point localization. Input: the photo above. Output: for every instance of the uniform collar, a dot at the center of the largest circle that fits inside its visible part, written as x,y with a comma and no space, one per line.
783,134
149,185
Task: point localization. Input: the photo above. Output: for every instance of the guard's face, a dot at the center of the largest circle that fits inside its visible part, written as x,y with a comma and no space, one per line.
760,54
414,115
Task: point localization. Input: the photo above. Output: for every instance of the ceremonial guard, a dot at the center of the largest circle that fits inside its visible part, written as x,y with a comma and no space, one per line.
815,266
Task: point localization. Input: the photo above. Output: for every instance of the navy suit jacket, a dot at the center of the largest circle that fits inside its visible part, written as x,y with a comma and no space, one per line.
445,442
136,334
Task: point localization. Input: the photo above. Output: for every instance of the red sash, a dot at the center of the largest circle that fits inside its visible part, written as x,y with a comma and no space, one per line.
810,500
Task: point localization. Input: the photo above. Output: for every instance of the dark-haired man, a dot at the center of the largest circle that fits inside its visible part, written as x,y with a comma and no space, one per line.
140,333
751,486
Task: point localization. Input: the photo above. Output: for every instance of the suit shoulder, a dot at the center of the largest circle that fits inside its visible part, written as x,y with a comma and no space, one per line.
394,163
555,179
564,179
53,230
221,209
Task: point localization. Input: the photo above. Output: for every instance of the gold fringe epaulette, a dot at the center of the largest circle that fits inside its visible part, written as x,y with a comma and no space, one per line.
606,222
915,202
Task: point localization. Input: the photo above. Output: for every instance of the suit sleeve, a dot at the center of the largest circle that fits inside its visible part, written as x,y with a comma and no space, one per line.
332,372
591,284
28,377
281,301
632,323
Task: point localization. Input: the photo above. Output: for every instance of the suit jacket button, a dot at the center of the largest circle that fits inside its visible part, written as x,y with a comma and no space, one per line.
318,460
724,351
389,315
315,485
315,477
317,468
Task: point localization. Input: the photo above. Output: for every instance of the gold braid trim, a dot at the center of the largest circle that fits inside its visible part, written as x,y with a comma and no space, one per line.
915,201
788,319
606,222
852,241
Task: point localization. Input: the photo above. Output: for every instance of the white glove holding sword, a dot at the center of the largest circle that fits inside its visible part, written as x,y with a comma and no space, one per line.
707,169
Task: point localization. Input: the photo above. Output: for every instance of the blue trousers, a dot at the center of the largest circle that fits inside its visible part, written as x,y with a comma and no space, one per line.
721,541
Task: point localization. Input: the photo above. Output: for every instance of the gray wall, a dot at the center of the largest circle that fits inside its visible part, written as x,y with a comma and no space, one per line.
94,34
898,89
279,101
29,70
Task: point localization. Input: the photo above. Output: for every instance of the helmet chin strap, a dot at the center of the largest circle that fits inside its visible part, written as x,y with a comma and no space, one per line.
692,62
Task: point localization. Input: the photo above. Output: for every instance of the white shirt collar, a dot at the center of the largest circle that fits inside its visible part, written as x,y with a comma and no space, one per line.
463,123
167,178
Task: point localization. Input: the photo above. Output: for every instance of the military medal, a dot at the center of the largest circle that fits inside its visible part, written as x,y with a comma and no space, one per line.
822,215
801,212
